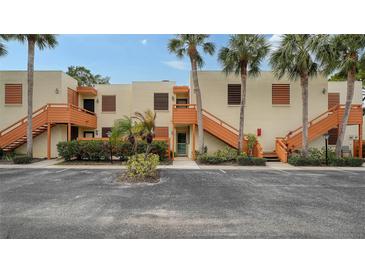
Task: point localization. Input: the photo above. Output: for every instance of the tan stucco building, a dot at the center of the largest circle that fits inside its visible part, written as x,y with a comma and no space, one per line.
273,109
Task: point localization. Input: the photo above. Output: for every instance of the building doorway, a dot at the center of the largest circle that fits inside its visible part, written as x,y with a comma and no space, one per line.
183,101
74,133
181,144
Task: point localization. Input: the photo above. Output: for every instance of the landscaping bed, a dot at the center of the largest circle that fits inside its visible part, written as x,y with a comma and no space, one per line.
317,157
228,156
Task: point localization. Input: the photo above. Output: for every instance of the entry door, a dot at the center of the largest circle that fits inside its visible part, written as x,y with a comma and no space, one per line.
89,104
181,144
74,133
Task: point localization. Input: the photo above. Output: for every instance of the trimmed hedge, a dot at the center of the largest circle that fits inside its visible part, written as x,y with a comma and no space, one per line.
250,161
317,157
96,150
22,159
227,154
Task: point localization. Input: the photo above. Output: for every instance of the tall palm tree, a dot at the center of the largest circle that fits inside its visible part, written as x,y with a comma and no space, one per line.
295,58
33,40
243,56
344,53
188,45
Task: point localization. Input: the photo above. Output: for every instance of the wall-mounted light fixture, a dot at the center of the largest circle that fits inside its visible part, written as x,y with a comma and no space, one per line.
324,91
97,100
57,91
173,97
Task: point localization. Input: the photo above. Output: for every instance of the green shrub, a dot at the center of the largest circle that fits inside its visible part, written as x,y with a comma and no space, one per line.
123,150
159,148
349,161
139,166
243,160
22,159
94,150
251,141
1,153
210,159
298,160
227,153
68,150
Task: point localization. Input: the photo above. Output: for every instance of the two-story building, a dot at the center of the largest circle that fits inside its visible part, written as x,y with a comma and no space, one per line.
64,111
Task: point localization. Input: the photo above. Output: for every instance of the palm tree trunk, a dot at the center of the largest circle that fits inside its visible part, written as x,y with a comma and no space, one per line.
304,85
31,45
350,94
242,108
199,107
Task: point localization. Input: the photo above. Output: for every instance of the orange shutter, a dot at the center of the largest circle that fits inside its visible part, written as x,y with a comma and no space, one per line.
280,94
13,94
161,132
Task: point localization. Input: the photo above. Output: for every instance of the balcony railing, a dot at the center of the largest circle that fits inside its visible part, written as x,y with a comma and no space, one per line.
184,114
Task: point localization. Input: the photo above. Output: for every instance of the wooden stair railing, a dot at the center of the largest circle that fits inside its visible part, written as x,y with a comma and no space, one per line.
322,124
281,150
15,135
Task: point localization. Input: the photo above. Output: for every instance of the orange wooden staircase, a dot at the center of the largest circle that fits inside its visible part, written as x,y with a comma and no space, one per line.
186,114
48,115
316,128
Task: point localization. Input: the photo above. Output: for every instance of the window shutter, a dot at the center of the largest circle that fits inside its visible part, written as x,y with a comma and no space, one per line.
13,94
162,132
280,94
161,101
234,94
333,99
108,103
104,131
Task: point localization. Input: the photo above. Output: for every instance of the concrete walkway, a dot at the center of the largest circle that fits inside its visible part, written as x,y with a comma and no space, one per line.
178,163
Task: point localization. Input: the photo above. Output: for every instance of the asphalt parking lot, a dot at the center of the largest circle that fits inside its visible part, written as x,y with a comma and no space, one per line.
70,203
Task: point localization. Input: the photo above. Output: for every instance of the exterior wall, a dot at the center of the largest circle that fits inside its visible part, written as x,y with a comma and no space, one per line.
123,105
341,87
274,120
58,134
49,87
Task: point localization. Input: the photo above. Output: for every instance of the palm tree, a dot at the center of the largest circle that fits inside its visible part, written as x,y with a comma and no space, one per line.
187,45
125,127
33,40
3,51
295,58
243,56
343,53
148,124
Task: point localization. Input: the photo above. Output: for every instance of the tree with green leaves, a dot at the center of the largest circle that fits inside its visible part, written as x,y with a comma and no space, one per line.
41,41
243,56
85,77
148,124
189,45
345,54
295,59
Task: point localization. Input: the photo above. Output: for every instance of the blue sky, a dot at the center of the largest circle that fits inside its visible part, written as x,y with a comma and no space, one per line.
124,58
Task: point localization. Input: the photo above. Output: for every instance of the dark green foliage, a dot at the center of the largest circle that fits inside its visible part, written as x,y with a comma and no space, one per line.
317,157
22,159
100,150
243,160
68,150
1,153
210,159
227,154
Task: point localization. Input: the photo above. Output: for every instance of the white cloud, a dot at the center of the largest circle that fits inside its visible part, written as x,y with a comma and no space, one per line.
144,42
178,64
275,41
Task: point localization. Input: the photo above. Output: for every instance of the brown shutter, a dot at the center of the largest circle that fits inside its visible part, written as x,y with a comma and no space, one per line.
104,131
234,94
161,132
108,103
280,94
13,94
161,101
333,99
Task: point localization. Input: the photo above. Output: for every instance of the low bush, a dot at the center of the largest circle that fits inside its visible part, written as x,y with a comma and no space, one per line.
227,154
243,160
100,150
22,159
68,150
317,157
141,166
